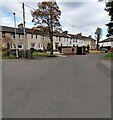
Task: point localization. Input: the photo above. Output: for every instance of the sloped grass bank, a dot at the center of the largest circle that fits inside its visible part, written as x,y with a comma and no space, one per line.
109,56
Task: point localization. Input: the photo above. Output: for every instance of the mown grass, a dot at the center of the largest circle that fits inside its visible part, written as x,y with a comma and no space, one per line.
96,51
109,56
42,54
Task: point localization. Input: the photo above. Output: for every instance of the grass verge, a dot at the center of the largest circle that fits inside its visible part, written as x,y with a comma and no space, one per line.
96,51
42,54
109,56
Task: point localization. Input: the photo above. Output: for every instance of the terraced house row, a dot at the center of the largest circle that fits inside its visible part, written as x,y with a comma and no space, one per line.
39,40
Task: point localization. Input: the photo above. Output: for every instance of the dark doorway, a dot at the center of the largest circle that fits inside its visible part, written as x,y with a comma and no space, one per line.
79,50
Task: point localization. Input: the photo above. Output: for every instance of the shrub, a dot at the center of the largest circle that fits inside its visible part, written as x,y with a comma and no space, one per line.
6,55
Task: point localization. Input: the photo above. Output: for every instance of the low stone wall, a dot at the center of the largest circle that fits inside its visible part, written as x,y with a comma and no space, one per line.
28,54
112,49
69,50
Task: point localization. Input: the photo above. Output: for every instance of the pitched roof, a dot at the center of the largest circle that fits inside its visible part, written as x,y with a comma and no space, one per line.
39,32
10,29
85,37
19,31
81,37
107,40
33,31
61,34
76,36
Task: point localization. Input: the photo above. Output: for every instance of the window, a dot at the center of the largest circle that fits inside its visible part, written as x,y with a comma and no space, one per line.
19,45
14,46
3,34
32,45
11,46
73,40
36,36
39,45
31,35
13,35
20,36
76,39
59,38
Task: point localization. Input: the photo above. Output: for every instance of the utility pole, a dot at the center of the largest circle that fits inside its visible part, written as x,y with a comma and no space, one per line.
24,30
15,37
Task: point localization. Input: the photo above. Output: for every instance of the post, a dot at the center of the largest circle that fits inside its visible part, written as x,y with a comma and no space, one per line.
24,30
15,37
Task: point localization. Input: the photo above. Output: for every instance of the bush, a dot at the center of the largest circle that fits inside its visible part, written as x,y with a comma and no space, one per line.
6,55
10,57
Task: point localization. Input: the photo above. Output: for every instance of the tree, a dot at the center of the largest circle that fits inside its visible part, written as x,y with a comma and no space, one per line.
6,43
109,8
46,17
98,34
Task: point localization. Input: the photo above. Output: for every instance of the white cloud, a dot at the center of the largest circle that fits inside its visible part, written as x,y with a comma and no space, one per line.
6,21
85,15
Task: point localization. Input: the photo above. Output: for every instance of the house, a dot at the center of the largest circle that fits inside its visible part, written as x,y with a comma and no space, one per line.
7,34
34,38
107,43
77,40
39,40
90,41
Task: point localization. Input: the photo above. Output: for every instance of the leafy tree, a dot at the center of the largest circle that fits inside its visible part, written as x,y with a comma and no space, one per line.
109,9
98,34
46,17
6,43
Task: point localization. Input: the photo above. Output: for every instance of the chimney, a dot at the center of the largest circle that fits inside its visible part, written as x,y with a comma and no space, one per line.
20,26
89,36
66,32
80,34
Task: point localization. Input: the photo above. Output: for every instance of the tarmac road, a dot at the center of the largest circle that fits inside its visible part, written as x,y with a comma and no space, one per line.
71,87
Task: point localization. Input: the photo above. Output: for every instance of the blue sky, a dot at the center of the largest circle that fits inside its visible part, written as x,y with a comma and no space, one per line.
76,17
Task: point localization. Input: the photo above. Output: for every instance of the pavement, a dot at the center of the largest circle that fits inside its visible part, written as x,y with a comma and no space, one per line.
62,87
107,63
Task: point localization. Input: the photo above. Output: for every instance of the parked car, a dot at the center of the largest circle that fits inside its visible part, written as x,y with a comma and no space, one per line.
104,49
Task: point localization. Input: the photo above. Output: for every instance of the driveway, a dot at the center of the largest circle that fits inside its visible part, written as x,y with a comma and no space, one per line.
70,87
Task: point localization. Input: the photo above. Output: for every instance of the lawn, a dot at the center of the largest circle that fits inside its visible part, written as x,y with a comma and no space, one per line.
109,56
42,54
96,51
39,54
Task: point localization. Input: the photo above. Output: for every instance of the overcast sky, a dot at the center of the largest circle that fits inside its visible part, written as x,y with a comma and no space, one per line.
77,15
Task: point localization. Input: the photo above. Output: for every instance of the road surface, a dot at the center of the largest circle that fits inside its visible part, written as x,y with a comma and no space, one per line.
71,87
